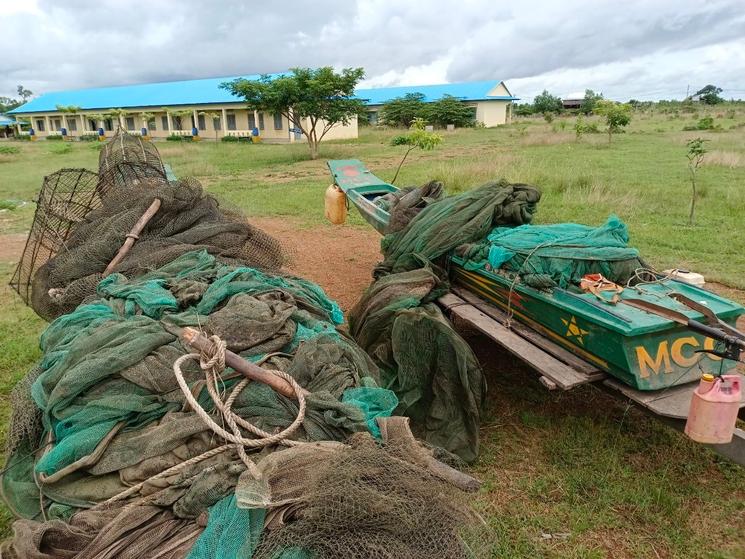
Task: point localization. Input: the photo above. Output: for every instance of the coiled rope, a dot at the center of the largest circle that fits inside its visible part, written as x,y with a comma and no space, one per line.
212,362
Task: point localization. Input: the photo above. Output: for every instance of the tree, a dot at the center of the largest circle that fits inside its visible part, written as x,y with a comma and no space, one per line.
617,115
547,103
419,137
8,104
312,100
589,101
403,110
449,110
710,94
119,114
524,109
146,118
212,116
66,110
24,93
695,155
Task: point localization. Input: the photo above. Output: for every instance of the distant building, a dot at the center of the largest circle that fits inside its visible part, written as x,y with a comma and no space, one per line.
9,126
146,109
491,100
571,104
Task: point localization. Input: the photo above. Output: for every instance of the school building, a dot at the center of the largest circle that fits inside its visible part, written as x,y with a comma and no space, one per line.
201,107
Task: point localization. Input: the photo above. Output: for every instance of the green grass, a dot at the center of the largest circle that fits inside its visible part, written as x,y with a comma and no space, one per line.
603,480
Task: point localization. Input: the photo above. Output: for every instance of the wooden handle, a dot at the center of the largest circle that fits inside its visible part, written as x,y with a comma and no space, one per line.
196,340
133,235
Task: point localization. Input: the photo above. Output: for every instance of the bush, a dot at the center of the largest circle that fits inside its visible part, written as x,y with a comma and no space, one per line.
9,150
548,117
706,123
56,138
22,137
175,138
229,139
89,138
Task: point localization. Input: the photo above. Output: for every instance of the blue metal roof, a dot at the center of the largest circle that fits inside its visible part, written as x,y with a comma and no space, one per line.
466,91
206,91
6,120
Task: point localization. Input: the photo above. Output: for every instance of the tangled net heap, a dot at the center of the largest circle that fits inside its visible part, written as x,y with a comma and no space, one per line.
68,251
109,457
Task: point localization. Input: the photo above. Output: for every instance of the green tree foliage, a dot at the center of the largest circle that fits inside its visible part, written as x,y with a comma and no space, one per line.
524,109
710,94
403,110
617,115
418,137
313,100
695,155
449,110
67,110
24,93
589,101
547,103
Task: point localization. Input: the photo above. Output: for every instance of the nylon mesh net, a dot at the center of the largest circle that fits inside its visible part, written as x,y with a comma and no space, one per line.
127,160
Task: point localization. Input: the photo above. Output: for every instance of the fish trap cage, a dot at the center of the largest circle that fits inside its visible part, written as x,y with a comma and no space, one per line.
66,197
128,160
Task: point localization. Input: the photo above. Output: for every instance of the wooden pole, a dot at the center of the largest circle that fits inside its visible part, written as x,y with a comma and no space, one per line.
192,337
133,235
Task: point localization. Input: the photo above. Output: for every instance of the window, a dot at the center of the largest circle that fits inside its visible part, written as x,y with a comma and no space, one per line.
56,123
261,121
217,123
251,121
202,124
277,121
72,125
40,125
130,123
176,122
92,125
164,122
193,124
108,124
151,125
231,121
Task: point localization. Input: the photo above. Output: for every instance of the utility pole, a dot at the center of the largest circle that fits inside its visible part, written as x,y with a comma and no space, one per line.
688,89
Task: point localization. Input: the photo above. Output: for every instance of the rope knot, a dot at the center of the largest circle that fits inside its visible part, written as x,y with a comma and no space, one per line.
213,359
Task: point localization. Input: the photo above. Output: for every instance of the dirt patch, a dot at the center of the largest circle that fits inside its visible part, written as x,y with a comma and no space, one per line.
11,247
339,258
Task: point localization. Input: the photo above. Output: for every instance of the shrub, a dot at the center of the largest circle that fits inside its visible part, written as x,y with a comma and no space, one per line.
56,138
706,123
548,117
9,150
175,138
89,138
229,139
22,137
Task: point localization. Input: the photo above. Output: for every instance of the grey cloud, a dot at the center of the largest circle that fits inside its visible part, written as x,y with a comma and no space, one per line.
77,43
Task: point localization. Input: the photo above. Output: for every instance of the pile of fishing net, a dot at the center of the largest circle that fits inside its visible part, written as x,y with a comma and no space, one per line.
421,357
124,444
103,416
82,220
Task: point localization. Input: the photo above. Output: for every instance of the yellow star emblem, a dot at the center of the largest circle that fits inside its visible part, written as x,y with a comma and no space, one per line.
574,331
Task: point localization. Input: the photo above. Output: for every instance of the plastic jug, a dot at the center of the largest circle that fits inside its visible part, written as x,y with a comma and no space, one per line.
336,205
714,406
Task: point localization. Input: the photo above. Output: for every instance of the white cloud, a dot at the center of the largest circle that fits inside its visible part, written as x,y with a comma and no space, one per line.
635,49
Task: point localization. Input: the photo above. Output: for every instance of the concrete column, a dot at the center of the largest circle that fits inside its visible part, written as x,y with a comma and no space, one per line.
196,119
224,122
18,129
47,124
170,123
256,118
82,122
290,126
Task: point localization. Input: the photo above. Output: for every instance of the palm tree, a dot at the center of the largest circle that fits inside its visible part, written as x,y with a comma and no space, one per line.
119,114
146,118
214,116
180,115
71,110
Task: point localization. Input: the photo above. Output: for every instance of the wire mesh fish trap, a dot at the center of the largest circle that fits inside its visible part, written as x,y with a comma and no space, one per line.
65,199
128,160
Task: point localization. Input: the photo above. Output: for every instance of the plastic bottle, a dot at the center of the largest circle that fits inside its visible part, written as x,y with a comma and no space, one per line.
714,406
336,205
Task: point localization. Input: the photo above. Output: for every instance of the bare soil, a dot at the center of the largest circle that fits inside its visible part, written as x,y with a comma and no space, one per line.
340,258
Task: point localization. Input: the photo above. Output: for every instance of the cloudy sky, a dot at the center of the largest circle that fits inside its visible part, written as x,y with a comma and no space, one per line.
647,49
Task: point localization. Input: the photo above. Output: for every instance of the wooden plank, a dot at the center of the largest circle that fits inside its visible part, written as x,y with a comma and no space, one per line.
560,373
534,337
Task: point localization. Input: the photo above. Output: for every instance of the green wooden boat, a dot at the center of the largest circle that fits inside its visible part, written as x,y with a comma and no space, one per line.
643,349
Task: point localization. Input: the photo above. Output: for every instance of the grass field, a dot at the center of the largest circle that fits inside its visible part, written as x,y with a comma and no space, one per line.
568,475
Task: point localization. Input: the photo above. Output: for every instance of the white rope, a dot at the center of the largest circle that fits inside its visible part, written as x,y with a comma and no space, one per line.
213,363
